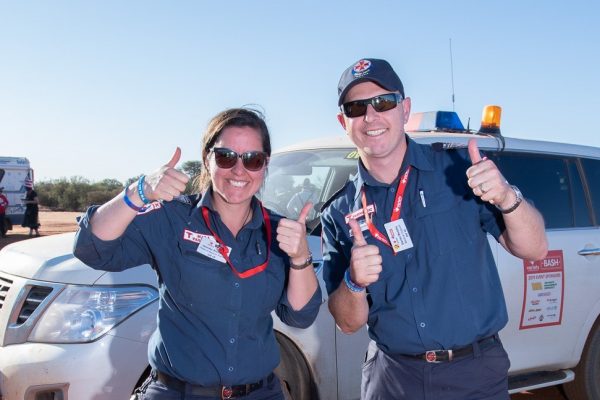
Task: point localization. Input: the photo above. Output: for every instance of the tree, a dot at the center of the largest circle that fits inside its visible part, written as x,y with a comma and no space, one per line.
193,169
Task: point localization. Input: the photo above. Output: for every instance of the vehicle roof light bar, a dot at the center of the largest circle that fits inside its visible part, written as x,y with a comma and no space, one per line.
444,121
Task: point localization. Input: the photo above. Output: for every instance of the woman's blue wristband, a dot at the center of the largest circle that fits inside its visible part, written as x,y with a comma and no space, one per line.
129,203
351,285
140,188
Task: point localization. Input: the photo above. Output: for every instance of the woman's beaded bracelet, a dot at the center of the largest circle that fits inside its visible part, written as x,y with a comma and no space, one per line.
140,189
129,203
351,285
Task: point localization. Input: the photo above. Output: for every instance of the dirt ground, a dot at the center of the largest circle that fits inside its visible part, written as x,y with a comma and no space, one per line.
54,222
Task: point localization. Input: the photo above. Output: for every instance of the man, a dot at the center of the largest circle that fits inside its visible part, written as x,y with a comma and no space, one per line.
406,252
3,206
306,194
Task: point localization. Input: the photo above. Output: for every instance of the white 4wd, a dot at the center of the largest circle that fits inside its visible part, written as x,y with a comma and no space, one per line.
67,331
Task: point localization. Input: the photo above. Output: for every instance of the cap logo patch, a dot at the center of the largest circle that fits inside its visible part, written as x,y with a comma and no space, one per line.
361,68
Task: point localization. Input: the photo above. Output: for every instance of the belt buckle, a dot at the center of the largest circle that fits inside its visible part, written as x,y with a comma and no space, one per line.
226,392
431,356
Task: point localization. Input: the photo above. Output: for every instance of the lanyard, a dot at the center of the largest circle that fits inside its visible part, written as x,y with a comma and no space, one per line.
222,247
395,212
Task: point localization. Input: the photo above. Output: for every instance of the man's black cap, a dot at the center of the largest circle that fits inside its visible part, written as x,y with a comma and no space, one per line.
369,69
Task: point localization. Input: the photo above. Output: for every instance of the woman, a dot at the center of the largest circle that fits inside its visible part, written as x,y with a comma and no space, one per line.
222,266
31,217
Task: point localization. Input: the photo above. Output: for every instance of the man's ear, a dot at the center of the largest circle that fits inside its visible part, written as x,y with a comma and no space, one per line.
341,120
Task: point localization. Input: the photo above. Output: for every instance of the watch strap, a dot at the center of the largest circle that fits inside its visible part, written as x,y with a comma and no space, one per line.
518,201
305,264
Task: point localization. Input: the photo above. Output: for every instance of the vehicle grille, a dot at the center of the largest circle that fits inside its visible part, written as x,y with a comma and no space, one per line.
36,295
5,284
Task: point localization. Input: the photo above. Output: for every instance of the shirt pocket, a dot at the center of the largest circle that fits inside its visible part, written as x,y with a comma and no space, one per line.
443,223
201,280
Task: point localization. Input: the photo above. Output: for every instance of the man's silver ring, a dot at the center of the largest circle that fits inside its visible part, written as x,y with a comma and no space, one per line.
481,188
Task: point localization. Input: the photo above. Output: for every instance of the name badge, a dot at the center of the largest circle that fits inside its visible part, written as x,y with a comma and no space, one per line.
360,213
362,224
210,248
398,235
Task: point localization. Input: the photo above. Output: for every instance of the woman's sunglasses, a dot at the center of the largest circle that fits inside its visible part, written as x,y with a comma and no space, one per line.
227,158
383,102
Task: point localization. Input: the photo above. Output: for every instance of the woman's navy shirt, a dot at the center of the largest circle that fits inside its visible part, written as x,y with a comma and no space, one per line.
213,327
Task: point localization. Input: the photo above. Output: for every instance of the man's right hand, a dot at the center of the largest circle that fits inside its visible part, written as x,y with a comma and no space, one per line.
365,261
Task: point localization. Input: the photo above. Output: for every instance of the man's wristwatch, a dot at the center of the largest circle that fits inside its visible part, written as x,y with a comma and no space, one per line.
518,200
305,264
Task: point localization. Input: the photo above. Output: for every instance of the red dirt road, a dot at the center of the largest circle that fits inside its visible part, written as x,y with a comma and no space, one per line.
53,222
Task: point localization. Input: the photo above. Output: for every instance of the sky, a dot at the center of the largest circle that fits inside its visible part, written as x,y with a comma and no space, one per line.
108,89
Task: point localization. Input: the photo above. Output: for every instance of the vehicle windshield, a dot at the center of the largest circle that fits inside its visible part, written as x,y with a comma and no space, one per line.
297,177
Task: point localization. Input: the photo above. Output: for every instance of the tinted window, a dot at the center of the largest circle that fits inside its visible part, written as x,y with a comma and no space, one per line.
592,173
546,182
581,210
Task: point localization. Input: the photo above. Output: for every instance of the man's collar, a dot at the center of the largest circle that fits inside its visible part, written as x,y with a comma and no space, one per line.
416,156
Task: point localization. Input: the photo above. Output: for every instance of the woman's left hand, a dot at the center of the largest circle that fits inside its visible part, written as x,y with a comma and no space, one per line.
291,236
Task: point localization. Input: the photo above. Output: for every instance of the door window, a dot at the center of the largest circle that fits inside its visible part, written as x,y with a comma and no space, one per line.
552,184
592,174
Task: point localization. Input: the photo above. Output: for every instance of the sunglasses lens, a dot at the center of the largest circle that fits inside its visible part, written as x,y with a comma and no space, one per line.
358,108
253,160
355,108
225,158
384,103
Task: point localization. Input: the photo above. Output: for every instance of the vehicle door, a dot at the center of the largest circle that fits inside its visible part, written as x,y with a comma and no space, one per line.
552,304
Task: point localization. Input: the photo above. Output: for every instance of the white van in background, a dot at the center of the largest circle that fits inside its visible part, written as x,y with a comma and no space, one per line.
70,332
13,172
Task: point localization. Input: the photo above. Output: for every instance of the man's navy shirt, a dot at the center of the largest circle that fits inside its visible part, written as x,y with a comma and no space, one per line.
213,327
445,291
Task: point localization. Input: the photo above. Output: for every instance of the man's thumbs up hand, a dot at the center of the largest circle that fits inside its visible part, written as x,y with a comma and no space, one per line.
365,260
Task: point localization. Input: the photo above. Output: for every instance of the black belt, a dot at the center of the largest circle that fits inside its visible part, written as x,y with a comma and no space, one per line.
224,392
437,356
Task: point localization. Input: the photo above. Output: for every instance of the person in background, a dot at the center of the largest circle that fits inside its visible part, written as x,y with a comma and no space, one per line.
405,251
3,206
306,194
31,217
224,263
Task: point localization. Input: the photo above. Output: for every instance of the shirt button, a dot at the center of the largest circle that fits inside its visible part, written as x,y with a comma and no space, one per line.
393,190
236,284
415,290
232,340
422,324
408,257
230,369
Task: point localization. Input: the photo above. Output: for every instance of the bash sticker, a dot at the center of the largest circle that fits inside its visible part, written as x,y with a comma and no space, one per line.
543,294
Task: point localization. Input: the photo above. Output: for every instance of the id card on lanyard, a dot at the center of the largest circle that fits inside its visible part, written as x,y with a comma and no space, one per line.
222,248
398,238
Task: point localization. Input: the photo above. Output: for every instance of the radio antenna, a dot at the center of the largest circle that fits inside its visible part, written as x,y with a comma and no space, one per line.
452,74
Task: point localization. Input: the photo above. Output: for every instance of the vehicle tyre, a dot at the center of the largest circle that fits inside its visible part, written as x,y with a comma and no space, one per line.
293,371
586,385
141,381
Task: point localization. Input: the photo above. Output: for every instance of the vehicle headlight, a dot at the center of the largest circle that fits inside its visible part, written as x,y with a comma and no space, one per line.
83,314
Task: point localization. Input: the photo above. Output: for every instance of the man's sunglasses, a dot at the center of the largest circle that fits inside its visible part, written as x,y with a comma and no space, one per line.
227,158
383,102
